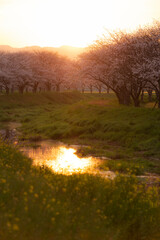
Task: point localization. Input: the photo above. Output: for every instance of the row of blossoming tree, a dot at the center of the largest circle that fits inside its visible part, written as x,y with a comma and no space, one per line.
41,70
126,63
32,71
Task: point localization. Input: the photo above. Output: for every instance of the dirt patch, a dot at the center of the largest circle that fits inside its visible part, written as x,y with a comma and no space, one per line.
99,102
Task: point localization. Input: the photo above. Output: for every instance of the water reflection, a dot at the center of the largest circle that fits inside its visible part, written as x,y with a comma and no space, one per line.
55,155
60,158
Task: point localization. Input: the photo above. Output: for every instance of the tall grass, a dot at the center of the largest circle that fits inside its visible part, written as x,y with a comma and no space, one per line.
38,204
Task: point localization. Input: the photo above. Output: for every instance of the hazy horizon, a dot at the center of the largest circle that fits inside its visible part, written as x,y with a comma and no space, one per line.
62,46
68,51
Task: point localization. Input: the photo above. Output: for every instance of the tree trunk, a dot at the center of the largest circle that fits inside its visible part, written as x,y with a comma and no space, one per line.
158,98
149,95
12,89
35,87
7,89
99,90
136,102
58,88
91,89
124,99
21,89
127,99
48,86
142,95
120,98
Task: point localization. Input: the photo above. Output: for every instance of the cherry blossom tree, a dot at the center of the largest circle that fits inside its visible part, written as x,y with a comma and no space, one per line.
5,81
123,62
50,69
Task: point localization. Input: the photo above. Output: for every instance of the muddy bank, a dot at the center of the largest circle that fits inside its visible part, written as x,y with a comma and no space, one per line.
10,132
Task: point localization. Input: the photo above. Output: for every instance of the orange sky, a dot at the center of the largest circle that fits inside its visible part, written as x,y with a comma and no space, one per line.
69,22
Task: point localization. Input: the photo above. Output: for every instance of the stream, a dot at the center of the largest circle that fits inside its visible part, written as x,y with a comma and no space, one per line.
60,157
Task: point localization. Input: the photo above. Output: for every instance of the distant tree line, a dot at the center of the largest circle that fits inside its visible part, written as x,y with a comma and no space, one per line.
41,71
32,71
126,63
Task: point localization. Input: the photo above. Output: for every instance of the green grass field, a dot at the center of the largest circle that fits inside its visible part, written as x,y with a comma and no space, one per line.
37,204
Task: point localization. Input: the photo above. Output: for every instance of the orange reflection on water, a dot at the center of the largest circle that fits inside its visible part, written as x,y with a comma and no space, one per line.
67,162
60,159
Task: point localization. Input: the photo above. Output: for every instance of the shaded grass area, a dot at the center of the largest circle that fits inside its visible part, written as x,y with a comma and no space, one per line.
30,99
129,136
35,203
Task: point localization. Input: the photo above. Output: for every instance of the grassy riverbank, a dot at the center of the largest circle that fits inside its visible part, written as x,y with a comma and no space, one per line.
38,204
129,136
